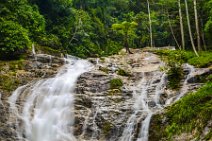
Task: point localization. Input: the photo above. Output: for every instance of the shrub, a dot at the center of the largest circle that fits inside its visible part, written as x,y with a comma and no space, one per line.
175,74
14,39
192,111
116,83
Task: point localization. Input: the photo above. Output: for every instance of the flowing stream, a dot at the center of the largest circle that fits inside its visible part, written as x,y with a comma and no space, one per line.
142,111
48,109
44,110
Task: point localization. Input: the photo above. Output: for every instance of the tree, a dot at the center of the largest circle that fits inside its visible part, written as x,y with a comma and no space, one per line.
14,39
189,28
150,24
127,30
181,25
197,25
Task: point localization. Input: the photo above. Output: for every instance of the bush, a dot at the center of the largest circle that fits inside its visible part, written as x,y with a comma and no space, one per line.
175,74
116,83
14,39
191,112
204,60
181,56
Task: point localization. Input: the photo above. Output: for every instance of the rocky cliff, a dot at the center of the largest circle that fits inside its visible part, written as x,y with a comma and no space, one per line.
113,101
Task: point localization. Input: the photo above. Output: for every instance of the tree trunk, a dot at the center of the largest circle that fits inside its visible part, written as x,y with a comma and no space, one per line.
189,28
126,44
170,26
203,35
150,25
181,25
197,25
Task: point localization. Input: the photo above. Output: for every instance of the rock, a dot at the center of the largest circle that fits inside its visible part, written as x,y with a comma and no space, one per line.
102,113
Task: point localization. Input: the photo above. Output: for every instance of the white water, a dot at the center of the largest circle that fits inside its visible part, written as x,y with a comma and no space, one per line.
48,110
184,88
142,111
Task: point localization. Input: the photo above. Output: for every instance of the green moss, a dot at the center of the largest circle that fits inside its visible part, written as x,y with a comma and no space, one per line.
8,82
175,74
104,69
116,83
181,56
204,60
122,72
208,137
8,79
114,92
156,128
191,112
209,78
48,50
106,128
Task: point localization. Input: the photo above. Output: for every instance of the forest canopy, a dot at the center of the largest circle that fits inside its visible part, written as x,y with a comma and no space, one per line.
91,28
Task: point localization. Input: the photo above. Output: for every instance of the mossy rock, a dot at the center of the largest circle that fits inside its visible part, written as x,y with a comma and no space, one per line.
123,72
175,75
8,82
104,69
190,114
48,50
116,83
106,128
113,92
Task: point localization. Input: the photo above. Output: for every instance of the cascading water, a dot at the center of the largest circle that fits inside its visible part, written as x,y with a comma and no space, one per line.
142,111
184,88
48,110
44,111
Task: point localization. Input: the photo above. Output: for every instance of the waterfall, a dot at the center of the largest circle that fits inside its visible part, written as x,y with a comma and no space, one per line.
44,110
184,88
48,105
142,111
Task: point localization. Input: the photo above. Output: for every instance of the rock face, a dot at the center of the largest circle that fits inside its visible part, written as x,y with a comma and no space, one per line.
35,68
105,113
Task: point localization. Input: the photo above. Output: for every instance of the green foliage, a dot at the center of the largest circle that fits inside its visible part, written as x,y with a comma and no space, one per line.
48,50
127,30
190,113
14,39
116,83
123,72
112,47
175,75
173,57
204,60
83,27
8,82
49,40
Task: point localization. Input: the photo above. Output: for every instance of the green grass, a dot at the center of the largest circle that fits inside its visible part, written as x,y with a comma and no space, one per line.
204,60
191,112
181,56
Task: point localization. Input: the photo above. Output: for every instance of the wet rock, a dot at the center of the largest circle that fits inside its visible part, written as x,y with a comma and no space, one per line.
151,104
102,113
